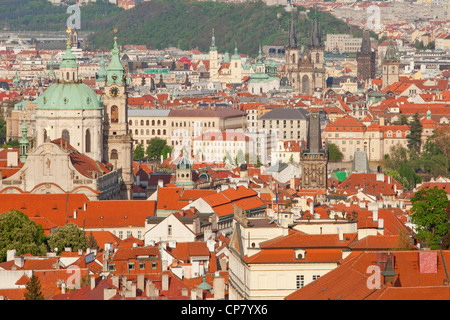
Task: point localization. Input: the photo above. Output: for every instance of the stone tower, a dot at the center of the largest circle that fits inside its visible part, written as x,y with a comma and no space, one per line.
365,59
118,143
314,158
390,66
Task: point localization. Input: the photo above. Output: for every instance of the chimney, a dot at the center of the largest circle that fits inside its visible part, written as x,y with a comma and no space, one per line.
19,261
92,282
219,288
108,293
140,282
115,281
165,281
10,254
427,262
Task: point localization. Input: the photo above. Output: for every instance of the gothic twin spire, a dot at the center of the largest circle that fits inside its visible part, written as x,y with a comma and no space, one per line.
315,39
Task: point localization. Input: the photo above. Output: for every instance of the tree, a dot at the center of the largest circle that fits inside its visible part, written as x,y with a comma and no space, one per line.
415,134
335,155
33,289
138,152
91,242
428,213
18,232
67,236
155,148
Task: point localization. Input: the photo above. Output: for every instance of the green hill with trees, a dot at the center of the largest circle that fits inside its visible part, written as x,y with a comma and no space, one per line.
179,23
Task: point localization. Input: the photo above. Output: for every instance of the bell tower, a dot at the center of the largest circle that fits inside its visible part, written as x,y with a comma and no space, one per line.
118,145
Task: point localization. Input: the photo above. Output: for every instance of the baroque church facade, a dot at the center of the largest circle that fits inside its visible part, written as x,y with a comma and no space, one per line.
306,72
82,143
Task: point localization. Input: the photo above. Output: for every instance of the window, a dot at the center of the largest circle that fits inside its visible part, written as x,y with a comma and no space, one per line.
169,230
121,234
114,154
315,277
130,266
129,234
111,267
66,135
141,265
300,281
88,141
114,114
154,265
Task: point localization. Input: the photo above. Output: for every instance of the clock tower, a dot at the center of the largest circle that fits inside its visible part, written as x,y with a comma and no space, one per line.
118,143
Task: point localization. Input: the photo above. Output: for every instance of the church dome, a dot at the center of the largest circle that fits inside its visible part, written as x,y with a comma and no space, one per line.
184,164
69,96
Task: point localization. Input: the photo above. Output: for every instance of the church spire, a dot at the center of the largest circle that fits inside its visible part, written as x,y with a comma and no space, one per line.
213,42
115,70
292,42
316,39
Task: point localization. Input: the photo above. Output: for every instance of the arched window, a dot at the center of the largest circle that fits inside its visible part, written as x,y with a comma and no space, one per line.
114,154
164,132
159,122
142,132
147,122
136,132
142,122
317,57
65,135
159,132
153,122
88,141
67,76
164,122
44,135
153,132
147,132
114,114
130,122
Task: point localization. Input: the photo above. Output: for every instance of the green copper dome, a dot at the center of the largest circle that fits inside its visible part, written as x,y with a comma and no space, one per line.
69,96
236,55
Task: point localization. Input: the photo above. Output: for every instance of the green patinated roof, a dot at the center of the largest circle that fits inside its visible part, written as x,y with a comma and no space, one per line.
69,96
68,60
102,71
115,67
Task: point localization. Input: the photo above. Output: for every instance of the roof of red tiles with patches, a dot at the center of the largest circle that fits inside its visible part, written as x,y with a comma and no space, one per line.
132,253
345,123
130,242
440,185
299,239
368,182
349,281
186,250
59,209
103,237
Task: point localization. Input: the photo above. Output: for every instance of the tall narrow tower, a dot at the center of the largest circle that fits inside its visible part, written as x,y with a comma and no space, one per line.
213,60
390,66
365,59
314,158
118,143
291,51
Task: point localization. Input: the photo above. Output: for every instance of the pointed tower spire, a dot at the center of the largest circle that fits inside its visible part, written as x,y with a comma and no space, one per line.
316,39
115,71
292,42
213,42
